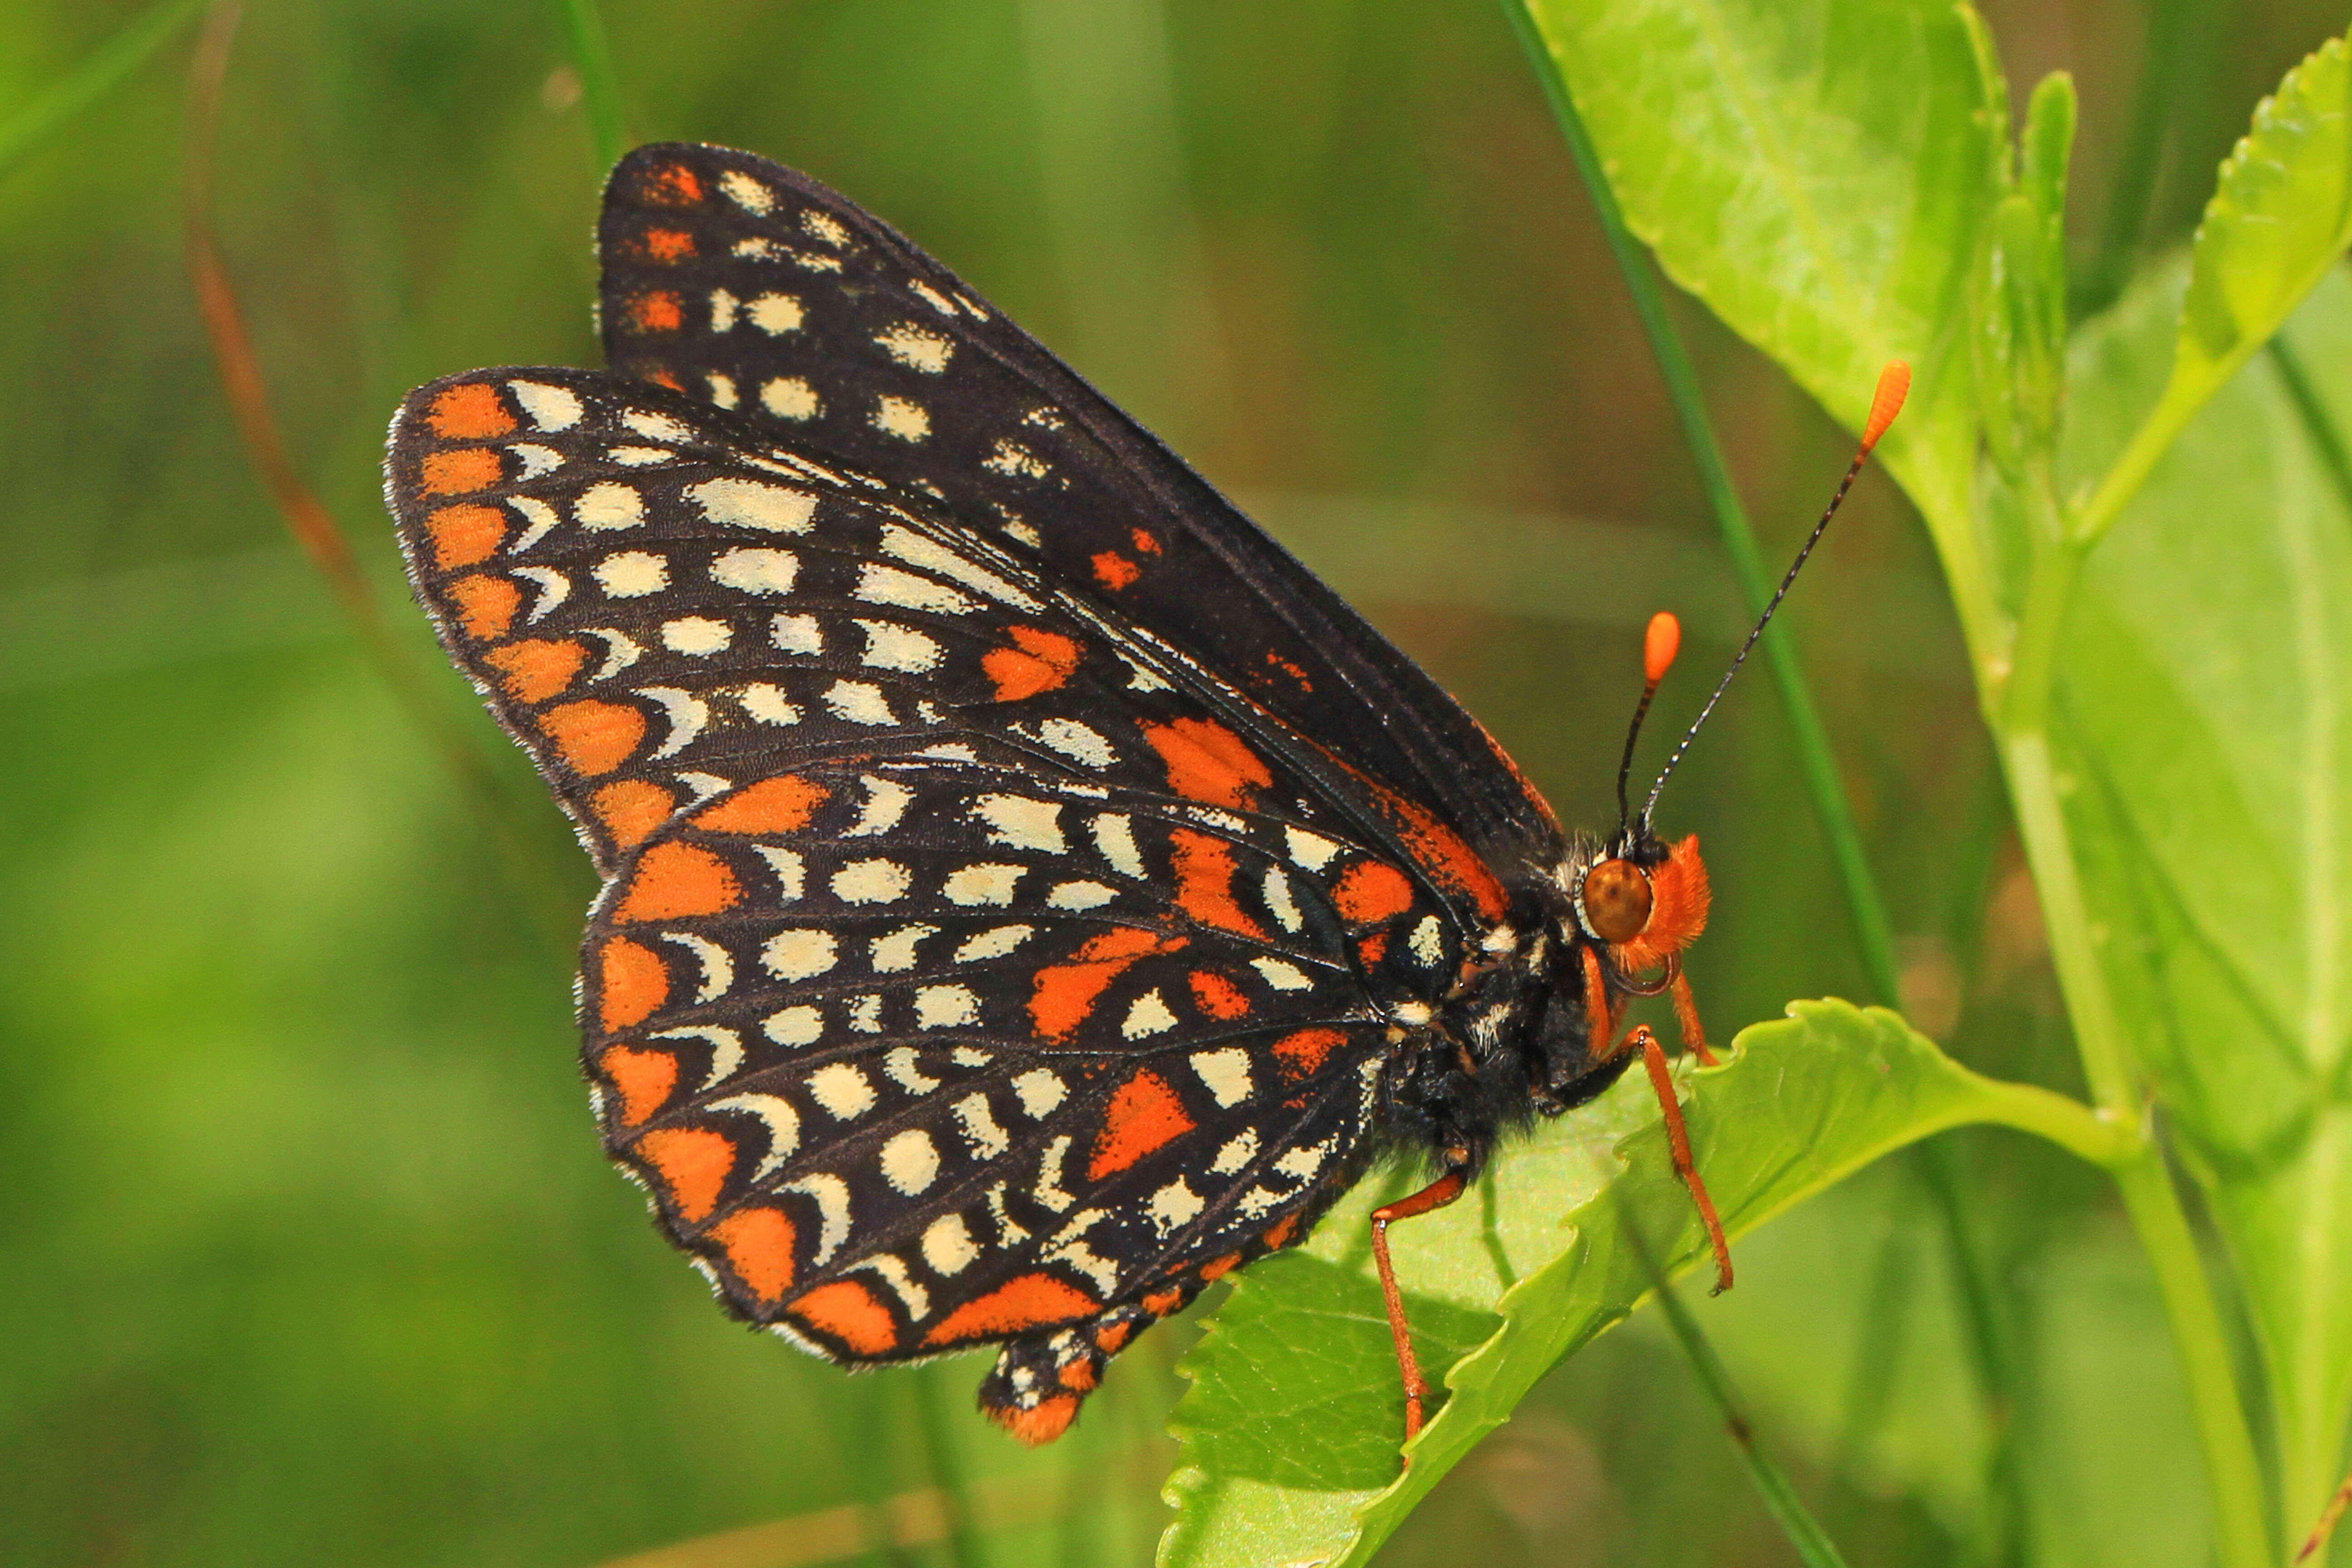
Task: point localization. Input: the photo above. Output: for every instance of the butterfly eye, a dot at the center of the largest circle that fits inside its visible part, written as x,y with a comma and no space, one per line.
1616,900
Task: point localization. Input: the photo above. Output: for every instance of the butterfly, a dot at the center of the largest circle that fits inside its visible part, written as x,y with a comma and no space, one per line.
1029,894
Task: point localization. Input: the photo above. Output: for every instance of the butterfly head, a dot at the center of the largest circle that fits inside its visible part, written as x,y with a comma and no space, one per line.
1644,902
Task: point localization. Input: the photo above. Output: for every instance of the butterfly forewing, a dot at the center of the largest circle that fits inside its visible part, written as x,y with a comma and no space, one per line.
754,287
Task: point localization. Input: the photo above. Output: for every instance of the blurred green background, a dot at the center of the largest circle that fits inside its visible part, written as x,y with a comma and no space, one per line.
306,1252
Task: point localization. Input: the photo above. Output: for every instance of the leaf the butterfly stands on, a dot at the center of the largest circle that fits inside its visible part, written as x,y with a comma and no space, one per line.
1030,894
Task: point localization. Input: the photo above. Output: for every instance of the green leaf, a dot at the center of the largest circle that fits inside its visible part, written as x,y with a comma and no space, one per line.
1291,1425
2205,720
1818,172
2280,217
2021,306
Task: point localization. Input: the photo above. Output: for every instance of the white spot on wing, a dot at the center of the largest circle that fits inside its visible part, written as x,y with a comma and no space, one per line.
901,1068
844,1091
783,1127
788,869
548,408
832,1195
920,550
726,1050
1078,897
947,1245
756,571
539,521
1225,1072
796,633
631,574
890,585
889,646
697,636
1040,1092
1428,940
749,503
767,704
685,713
902,417
794,1026
718,968
775,314
790,397
1309,849
608,506
980,1129
988,883
747,193
917,348
554,588
895,953
1021,823
1115,836
946,1008
1174,1206
1077,741
1146,1017
1280,975
655,426
536,460
1015,461
886,802
858,703
871,882
996,942
1278,898
799,954
1238,1151
910,1162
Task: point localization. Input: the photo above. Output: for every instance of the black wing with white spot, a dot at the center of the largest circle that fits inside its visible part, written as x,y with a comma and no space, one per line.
754,287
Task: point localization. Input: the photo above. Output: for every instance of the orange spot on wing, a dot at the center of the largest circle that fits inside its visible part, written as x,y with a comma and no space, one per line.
1207,761
1370,892
665,245
759,1243
1115,571
674,881
1205,883
1283,1234
1078,1375
593,737
631,984
670,186
463,535
1160,1303
1218,996
1040,661
473,411
1441,853
849,1313
1144,542
486,604
642,1079
1041,1423
665,378
1302,1055
537,669
781,804
692,1163
467,469
656,310
631,809
1218,1268
1372,949
1144,1115
1111,1338
1026,1301
1063,994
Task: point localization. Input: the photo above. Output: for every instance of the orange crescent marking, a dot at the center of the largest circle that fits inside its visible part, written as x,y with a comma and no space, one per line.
535,670
464,535
674,881
468,469
759,1243
693,1163
1027,1302
782,805
1063,994
642,1079
632,984
593,737
469,413
1218,996
1041,662
1370,892
486,604
631,809
848,1311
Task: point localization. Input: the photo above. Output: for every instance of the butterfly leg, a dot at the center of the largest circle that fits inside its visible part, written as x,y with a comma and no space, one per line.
1653,1056
1435,1196
1687,1017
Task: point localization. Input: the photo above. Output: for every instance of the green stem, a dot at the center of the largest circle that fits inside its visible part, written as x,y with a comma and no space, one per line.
2233,1471
2319,422
1804,1533
600,84
105,68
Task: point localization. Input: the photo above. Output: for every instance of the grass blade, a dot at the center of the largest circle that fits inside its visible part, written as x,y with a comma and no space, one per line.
600,83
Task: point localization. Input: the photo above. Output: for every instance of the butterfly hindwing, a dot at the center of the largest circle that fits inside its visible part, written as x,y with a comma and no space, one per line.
749,285
972,965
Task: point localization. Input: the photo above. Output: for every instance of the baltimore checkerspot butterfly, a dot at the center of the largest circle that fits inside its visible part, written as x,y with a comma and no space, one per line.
1029,894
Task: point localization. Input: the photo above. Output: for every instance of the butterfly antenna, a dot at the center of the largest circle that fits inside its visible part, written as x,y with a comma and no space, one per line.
1894,382
1659,646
